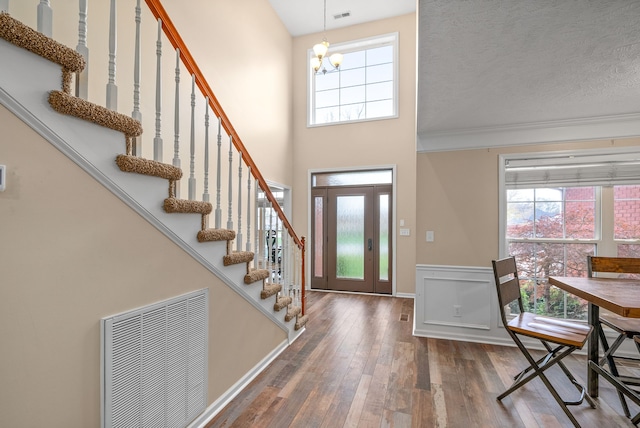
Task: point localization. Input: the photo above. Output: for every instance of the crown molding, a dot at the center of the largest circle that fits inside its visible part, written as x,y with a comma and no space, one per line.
595,128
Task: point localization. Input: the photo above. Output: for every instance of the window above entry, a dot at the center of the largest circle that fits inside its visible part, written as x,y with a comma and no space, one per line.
364,87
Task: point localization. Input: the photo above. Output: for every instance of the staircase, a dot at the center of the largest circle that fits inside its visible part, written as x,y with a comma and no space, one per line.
144,200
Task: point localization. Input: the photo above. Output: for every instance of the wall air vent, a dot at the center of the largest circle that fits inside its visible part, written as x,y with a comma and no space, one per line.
154,363
342,15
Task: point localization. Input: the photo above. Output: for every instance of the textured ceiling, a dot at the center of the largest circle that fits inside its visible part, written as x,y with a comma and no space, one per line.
497,63
508,72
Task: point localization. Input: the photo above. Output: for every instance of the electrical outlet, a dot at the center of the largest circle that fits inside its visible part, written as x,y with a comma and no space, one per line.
457,310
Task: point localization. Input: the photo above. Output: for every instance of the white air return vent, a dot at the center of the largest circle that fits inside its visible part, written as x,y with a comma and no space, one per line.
154,363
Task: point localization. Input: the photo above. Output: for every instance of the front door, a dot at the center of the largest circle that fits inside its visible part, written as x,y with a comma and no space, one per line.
351,237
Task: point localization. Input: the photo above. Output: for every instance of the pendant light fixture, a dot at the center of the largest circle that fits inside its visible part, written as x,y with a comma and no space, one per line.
320,51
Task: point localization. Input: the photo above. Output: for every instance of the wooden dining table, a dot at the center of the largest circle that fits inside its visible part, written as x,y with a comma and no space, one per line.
620,296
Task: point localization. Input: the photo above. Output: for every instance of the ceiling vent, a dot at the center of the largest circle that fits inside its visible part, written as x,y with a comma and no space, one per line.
342,15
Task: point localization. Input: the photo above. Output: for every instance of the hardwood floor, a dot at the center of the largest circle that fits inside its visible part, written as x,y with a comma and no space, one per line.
358,365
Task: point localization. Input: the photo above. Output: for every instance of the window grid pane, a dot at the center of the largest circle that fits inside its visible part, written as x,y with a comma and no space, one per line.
544,232
362,88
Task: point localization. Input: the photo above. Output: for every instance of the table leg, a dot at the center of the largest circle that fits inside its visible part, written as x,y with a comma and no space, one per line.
592,351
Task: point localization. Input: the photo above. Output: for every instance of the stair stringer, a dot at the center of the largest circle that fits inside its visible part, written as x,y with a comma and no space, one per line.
25,82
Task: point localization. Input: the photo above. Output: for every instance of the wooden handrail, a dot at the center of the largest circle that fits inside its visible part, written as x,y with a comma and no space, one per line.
176,41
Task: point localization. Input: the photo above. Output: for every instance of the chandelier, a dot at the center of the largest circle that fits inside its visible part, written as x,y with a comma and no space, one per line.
320,51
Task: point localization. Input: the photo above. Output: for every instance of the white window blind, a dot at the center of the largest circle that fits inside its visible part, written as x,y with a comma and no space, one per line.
601,168
154,370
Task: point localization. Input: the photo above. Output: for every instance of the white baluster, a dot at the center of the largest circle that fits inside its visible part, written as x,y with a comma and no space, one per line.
45,18
284,262
4,5
82,78
239,235
205,195
230,196
157,139
258,223
176,121
270,244
136,114
192,141
290,261
112,89
265,235
248,245
276,258
218,173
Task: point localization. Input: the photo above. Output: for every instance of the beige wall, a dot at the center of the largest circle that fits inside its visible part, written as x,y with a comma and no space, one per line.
354,145
457,198
73,253
247,63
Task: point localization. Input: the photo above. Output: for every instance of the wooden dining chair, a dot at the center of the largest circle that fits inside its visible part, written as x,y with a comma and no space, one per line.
559,337
625,328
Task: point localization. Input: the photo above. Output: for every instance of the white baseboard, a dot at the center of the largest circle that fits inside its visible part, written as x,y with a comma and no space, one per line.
406,295
233,392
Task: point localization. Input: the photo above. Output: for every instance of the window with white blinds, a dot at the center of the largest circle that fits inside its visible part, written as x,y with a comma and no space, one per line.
598,168
558,208
154,370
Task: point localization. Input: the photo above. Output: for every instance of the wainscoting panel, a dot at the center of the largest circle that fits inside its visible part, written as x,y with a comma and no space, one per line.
457,302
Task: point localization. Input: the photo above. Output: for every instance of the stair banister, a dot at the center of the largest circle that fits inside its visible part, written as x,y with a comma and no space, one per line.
175,39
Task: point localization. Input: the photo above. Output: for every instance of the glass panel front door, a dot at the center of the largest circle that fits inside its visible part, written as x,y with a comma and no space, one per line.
350,231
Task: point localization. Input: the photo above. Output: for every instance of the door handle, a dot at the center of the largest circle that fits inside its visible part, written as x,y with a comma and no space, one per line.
370,244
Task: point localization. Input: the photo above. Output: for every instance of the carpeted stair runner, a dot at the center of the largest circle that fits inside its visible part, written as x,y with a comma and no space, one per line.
301,322
293,312
27,38
282,302
186,206
255,275
270,290
237,257
65,103
128,163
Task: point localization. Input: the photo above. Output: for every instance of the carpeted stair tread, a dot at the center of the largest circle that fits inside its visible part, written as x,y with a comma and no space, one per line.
270,290
301,322
282,303
292,313
211,235
27,38
83,109
256,275
144,166
173,205
237,257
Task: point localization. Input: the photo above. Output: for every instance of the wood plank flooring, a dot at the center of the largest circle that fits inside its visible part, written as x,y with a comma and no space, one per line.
358,365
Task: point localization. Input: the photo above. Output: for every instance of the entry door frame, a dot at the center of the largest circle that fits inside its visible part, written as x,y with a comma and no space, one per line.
394,235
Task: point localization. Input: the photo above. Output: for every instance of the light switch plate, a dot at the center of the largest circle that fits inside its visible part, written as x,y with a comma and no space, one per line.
405,232
3,177
430,237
